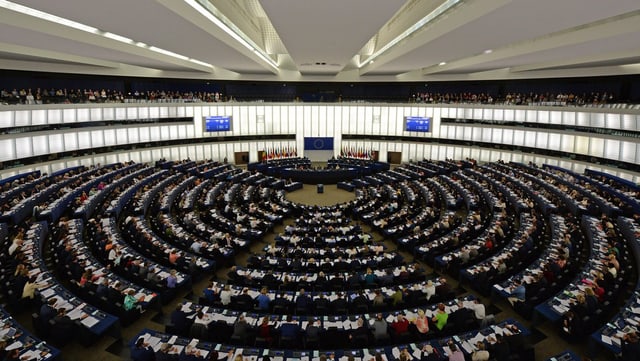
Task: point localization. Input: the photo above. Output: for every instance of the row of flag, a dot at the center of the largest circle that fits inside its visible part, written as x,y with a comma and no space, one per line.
355,152
280,153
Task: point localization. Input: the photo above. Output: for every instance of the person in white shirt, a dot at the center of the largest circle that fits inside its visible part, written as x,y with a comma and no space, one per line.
225,295
430,290
480,313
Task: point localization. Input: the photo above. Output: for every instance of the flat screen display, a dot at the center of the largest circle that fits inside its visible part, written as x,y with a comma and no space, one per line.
217,123
417,124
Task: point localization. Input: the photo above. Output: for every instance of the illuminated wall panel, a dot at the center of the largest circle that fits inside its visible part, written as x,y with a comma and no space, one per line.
110,137
22,118
56,143
40,144
84,140
23,147
70,141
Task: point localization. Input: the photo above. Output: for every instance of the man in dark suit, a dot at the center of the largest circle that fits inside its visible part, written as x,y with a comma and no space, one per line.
180,321
243,301
303,302
339,305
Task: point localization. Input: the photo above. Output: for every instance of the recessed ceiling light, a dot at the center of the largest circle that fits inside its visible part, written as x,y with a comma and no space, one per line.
443,63
488,51
371,62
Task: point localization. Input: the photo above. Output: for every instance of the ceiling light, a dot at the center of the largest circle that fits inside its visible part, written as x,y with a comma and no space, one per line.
488,51
89,29
415,27
206,9
443,63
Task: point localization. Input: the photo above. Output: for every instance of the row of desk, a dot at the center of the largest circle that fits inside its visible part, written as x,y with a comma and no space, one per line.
466,343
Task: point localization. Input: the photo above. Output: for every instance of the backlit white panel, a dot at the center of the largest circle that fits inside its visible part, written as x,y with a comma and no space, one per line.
628,152
368,120
132,113
182,131
496,136
530,139
8,149
6,119
95,114
629,122
532,115
83,115
154,112
613,121
299,118
111,158
97,138
568,143
583,119
487,114
477,114
40,145
110,137
467,134
518,137
554,141
122,136
164,113
445,112
543,116
468,112
22,118
555,117
173,132
509,115
165,133
519,116
507,136
146,156
133,135
352,120
23,147
487,134
181,111
54,116
569,118
292,125
612,149
38,117
476,135
253,121
143,112
108,113
84,140
597,120
581,145
69,115
56,143
243,122
542,140
280,116
391,125
70,141
323,121
145,134
498,114
596,147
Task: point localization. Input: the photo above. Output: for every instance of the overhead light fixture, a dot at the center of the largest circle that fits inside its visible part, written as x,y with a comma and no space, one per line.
90,29
488,51
206,9
443,63
415,27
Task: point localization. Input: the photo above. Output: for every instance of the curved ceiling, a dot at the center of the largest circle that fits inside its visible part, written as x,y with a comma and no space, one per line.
328,40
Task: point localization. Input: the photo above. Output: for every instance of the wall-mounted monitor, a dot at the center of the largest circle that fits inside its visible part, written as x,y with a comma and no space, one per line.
417,124
217,123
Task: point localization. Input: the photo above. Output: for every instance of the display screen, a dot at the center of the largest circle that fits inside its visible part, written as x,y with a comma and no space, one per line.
217,123
417,124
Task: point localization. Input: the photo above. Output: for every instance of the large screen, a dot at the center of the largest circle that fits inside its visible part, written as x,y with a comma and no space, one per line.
417,124
217,123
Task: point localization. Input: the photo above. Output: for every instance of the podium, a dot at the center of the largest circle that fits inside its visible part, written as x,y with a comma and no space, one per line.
320,188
